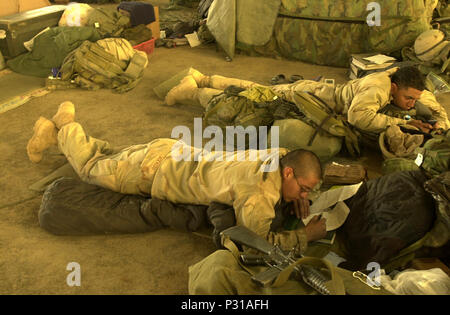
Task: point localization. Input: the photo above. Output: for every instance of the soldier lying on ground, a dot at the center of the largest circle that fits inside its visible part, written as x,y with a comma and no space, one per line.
153,170
72,207
365,101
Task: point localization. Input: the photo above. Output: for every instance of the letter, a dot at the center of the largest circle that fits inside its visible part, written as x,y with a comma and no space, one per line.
373,278
211,306
184,306
216,143
73,278
374,17
183,145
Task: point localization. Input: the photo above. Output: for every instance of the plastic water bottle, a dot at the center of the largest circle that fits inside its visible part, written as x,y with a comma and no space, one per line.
437,84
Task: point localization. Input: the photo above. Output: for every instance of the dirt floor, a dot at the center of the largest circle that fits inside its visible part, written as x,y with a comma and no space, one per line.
33,261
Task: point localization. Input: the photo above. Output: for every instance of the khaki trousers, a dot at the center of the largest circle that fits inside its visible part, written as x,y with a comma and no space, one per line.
216,86
218,83
93,160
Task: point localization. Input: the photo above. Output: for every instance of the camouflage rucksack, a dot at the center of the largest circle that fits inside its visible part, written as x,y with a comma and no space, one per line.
231,108
261,106
92,66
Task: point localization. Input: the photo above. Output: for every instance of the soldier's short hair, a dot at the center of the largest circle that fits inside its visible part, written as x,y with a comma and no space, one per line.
408,77
304,163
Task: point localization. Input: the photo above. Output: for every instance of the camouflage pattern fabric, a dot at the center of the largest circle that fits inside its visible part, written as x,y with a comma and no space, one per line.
108,22
168,17
328,32
435,155
443,10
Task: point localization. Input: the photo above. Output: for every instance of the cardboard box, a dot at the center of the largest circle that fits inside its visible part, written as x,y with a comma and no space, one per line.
155,25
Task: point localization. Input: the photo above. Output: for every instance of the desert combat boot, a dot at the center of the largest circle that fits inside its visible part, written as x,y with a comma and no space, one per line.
45,135
187,90
201,79
64,115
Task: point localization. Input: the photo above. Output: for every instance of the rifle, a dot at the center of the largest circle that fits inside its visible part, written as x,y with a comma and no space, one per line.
274,257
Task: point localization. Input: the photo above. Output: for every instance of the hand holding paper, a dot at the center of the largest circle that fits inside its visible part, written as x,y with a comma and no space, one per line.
337,216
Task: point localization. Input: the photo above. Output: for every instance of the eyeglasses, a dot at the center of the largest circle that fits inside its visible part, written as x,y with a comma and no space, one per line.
303,188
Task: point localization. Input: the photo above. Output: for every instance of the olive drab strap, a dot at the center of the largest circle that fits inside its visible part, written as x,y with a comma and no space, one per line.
320,127
229,244
335,285
321,116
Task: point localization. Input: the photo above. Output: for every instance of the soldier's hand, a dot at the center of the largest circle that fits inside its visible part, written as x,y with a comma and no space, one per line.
425,127
316,229
437,129
301,208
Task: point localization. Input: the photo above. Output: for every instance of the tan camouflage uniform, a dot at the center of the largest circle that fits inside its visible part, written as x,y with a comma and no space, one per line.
150,169
359,99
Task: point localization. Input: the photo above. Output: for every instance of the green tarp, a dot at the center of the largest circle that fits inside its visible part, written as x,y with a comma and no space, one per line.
323,32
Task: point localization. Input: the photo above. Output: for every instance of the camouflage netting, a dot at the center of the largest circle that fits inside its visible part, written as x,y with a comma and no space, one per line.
326,32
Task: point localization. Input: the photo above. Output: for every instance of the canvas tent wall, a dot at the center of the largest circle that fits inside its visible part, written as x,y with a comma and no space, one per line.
8,7
323,32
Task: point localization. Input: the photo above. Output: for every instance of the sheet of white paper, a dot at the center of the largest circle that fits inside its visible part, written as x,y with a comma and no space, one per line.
335,217
193,39
379,59
332,196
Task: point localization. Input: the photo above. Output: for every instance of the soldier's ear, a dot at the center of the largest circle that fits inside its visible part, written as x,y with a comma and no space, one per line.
287,171
394,88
